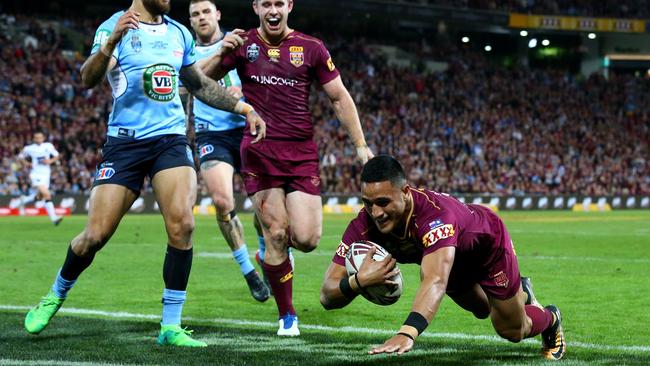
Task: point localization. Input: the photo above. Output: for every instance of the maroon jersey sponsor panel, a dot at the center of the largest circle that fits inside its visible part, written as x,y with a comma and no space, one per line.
276,80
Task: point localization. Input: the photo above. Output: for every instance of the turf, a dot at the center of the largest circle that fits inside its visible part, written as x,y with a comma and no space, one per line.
594,266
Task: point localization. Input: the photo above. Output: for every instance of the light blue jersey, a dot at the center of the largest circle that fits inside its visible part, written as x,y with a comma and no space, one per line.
145,79
207,118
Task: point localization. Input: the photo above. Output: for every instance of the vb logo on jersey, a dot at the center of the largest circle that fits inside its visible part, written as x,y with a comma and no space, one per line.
252,52
160,82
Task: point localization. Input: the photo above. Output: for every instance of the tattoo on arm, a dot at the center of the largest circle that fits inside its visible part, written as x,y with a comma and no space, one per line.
206,89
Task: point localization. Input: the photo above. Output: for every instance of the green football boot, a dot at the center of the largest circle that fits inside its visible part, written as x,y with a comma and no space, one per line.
39,317
174,335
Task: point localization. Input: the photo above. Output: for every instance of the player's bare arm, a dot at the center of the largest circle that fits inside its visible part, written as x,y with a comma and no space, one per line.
346,112
215,95
52,160
211,66
435,270
371,273
96,66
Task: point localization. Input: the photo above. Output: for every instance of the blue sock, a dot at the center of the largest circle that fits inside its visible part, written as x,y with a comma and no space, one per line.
241,256
262,245
61,286
173,301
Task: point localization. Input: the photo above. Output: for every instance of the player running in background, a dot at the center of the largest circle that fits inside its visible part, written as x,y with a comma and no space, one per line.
218,136
144,53
463,250
40,156
277,66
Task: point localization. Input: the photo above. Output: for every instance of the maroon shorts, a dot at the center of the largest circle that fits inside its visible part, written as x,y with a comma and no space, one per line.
291,165
499,277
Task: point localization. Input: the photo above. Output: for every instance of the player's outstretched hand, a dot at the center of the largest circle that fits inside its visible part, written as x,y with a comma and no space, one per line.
232,41
128,20
256,125
399,343
372,272
364,154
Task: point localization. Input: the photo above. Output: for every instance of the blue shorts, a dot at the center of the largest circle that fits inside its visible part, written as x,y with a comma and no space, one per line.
127,161
220,145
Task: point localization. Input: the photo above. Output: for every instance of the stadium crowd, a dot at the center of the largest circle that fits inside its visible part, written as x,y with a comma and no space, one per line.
475,128
589,8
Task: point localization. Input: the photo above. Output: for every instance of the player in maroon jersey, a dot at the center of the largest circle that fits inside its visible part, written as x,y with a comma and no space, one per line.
464,250
277,66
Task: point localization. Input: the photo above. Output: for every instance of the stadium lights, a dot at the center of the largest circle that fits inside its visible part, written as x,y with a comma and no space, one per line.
532,43
465,39
523,33
591,35
488,48
545,42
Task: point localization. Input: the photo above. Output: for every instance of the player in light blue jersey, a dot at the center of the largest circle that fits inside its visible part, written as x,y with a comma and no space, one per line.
218,136
144,53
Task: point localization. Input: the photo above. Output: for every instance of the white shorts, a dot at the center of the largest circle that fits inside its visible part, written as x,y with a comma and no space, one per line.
40,180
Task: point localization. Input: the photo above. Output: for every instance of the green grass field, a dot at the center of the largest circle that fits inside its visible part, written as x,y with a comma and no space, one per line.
594,266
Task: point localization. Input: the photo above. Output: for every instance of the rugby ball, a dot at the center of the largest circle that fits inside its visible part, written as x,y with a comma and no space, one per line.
379,294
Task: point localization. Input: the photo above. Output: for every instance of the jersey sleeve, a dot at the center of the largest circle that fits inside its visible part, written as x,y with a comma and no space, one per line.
229,61
437,231
356,231
189,54
52,150
325,69
103,32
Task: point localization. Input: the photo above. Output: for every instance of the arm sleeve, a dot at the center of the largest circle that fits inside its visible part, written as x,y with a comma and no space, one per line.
324,66
102,34
229,61
438,231
189,54
53,151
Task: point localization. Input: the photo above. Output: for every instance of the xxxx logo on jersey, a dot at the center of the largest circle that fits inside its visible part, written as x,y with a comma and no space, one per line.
160,82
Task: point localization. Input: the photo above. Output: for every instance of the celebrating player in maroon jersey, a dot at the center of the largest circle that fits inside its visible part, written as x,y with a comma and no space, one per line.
464,250
277,66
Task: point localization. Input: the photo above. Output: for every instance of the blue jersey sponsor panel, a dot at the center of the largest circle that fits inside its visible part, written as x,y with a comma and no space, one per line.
145,79
207,118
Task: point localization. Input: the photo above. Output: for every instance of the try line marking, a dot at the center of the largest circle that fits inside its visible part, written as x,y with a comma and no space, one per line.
325,328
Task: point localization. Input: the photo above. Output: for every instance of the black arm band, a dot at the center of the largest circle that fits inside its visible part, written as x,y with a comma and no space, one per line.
417,321
346,289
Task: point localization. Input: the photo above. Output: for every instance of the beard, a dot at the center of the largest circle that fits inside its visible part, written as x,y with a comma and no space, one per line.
156,7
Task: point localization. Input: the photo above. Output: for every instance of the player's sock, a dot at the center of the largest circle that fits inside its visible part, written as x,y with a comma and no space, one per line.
74,265
241,256
176,273
49,207
541,318
172,301
281,280
262,247
61,286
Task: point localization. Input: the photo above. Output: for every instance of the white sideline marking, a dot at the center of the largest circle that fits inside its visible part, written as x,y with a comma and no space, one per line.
324,328
6,361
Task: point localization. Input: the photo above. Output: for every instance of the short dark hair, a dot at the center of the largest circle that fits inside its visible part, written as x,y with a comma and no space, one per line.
382,168
200,1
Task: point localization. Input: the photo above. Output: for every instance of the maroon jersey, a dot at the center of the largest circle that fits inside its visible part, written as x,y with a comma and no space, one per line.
276,81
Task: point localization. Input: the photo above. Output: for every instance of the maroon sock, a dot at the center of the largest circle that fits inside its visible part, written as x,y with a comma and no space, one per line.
281,280
542,319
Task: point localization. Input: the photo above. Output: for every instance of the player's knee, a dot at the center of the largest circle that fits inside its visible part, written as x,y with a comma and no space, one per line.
306,243
514,335
92,241
180,231
278,234
223,204
482,314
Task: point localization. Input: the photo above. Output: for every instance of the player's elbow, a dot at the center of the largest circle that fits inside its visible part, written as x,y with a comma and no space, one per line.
327,303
